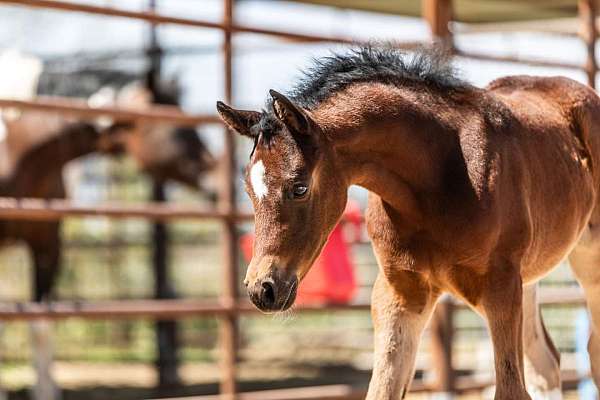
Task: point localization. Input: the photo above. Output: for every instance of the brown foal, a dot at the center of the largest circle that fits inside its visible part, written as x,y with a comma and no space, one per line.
474,192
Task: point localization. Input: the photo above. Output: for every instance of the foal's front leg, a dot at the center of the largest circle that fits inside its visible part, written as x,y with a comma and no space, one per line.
400,311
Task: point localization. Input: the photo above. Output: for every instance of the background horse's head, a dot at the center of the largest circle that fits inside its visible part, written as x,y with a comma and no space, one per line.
297,192
164,151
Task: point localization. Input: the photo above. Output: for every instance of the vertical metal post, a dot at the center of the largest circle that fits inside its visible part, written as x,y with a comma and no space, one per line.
229,323
588,10
442,331
166,331
438,14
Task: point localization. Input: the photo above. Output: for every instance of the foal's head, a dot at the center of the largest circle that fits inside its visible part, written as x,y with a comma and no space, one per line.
297,193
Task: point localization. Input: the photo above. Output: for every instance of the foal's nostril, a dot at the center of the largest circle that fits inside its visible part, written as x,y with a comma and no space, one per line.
268,294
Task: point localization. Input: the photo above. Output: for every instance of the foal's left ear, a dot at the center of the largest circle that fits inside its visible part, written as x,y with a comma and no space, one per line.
292,116
240,121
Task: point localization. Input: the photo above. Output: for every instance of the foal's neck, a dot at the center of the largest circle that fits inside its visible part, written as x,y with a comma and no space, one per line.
392,141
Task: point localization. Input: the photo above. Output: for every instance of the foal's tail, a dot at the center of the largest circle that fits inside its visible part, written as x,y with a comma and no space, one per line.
586,127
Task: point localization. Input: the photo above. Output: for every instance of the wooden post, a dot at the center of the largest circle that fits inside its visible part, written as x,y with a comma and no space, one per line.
166,330
438,14
228,332
442,331
588,10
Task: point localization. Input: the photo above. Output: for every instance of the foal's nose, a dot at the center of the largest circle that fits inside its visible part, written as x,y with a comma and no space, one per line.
272,293
268,294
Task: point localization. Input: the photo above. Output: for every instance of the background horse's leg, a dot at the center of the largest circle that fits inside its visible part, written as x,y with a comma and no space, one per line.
542,360
41,337
502,305
46,256
45,269
44,242
400,312
585,263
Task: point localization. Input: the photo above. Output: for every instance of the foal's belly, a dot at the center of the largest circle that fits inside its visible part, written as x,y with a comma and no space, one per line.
555,237
552,194
543,265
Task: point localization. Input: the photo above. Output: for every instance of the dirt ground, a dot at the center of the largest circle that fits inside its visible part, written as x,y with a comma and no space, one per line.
129,381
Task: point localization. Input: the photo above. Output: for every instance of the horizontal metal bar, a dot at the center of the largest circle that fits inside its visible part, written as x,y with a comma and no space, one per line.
155,309
517,60
54,209
71,106
163,19
35,209
113,309
159,309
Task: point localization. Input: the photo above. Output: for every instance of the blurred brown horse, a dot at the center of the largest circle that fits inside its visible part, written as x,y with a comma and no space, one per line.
39,174
37,146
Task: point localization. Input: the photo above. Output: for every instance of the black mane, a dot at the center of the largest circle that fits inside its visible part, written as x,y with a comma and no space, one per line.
375,63
429,67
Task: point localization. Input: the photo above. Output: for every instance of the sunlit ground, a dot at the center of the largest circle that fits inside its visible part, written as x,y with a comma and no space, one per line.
74,376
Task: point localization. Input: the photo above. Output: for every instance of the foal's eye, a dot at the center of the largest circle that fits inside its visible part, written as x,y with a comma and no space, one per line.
299,190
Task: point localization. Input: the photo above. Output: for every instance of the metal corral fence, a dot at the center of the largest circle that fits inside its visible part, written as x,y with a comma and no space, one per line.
438,14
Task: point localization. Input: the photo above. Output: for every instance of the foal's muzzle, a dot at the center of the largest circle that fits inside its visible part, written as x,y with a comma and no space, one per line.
269,295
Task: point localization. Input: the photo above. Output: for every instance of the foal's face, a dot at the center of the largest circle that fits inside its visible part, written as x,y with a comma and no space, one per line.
297,197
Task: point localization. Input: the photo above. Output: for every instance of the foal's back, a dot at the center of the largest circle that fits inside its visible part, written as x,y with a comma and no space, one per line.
550,158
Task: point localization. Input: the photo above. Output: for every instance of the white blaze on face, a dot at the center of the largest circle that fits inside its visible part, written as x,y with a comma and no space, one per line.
257,180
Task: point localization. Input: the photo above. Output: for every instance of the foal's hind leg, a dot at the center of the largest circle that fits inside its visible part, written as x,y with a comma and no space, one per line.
501,304
585,263
400,311
542,368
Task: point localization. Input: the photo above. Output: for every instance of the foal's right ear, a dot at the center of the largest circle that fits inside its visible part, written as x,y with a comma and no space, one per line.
239,120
